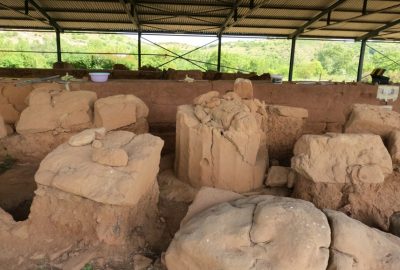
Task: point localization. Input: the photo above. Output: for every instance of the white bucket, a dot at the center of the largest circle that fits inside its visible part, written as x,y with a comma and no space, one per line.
99,76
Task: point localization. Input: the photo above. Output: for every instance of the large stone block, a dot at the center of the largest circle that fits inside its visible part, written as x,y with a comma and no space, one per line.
57,110
394,146
372,119
119,111
71,169
220,143
260,232
358,247
283,127
342,158
81,206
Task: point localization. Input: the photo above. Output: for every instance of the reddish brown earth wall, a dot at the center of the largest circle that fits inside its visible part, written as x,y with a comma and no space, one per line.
327,104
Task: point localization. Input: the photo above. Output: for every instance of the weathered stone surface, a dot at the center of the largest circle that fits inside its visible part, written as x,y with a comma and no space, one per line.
3,128
371,203
220,143
394,146
171,188
372,119
118,111
71,169
359,247
86,137
288,111
283,127
243,88
141,262
116,157
342,158
56,110
261,232
9,113
31,147
394,227
208,197
277,176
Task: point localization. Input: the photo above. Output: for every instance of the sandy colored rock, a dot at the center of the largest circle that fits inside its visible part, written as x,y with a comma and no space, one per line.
277,176
86,137
288,111
141,262
372,119
171,188
118,111
223,146
394,146
342,158
202,99
394,227
243,88
56,110
9,113
261,232
371,203
208,197
116,157
372,250
283,128
3,128
71,169
31,147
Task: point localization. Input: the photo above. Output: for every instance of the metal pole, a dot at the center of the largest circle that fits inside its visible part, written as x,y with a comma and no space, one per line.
219,53
361,60
292,54
139,50
58,41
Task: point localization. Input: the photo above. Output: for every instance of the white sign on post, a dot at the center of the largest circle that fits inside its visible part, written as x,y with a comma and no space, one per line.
387,92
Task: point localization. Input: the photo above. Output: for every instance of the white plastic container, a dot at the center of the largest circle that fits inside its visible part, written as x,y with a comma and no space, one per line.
99,76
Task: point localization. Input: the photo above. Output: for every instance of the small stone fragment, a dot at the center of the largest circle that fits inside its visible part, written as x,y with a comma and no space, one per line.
244,88
141,262
202,99
85,137
97,144
277,176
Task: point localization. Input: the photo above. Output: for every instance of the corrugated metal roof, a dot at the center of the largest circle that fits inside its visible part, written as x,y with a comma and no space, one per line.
246,17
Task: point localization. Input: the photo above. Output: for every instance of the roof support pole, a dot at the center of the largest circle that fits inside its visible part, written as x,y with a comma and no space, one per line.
361,60
58,43
292,54
219,53
139,45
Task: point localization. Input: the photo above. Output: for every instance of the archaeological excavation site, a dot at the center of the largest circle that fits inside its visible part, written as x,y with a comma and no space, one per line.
199,135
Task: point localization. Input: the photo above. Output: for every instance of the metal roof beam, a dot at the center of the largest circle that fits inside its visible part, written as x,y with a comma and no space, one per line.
230,15
378,30
132,17
353,18
51,21
248,13
24,15
316,18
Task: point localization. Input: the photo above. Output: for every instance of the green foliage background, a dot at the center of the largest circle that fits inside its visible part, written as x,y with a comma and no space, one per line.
314,60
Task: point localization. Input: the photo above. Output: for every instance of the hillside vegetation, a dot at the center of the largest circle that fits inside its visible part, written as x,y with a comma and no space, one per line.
314,60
